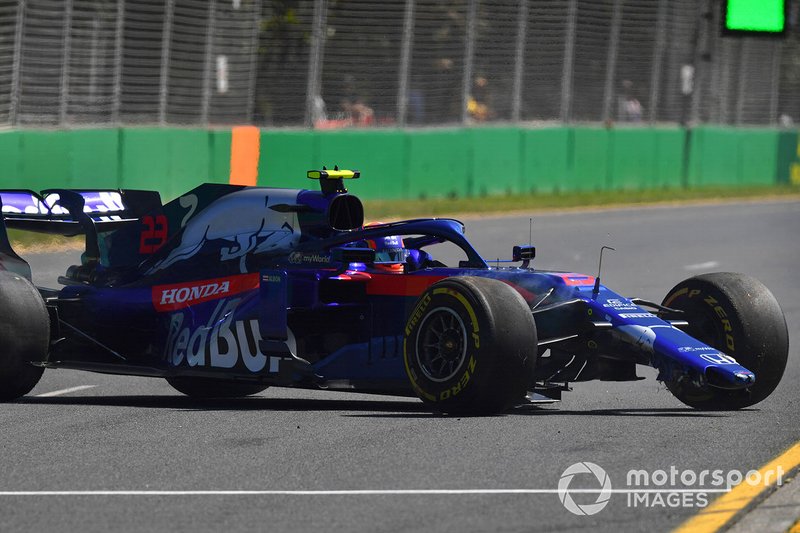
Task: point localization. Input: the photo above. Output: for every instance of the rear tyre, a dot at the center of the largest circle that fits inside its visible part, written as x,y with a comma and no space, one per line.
205,388
470,346
24,335
739,316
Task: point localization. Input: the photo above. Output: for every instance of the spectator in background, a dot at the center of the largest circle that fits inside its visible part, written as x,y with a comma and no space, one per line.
352,111
478,103
629,109
416,106
353,105
441,106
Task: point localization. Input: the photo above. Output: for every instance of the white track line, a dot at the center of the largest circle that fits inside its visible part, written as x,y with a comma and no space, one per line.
708,265
64,391
366,492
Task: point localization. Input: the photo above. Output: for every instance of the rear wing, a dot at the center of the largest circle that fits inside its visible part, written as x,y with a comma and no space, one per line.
69,212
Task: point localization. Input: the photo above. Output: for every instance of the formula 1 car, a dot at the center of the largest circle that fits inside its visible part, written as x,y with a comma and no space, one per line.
227,290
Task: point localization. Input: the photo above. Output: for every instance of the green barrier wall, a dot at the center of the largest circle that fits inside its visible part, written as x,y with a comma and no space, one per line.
727,156
94,157
219,154
590,154
667,171
285,158
758,157
379,155
145,160
171,161
546,159
496,160
45,159
454,162
11,160
75,159
645,158
632,155
788,156
189,160
439,163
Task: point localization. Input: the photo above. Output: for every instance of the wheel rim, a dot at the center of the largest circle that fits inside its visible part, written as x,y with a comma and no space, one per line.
441,344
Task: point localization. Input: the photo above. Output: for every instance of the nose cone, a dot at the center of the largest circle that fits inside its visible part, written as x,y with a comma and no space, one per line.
745,378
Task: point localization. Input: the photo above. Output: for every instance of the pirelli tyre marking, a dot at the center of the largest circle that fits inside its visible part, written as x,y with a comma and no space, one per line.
738,315
444,345
470,346
721,314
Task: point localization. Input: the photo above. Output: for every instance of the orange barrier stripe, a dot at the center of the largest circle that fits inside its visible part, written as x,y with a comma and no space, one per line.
244,155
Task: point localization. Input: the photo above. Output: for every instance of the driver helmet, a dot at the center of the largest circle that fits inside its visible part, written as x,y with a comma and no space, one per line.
390,254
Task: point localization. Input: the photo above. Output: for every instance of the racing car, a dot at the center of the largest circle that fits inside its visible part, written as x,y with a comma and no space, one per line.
228,290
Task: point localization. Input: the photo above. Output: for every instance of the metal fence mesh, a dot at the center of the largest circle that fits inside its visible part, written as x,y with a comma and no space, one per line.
367,63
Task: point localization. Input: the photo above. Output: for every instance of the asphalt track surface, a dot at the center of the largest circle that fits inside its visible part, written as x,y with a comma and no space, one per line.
138,434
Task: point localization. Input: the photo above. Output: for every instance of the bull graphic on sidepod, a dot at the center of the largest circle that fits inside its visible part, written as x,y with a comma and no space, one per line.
246,222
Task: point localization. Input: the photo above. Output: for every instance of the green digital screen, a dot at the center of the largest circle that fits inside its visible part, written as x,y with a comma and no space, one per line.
760,16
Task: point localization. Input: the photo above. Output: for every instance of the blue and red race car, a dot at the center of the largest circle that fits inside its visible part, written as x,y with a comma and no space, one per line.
228,290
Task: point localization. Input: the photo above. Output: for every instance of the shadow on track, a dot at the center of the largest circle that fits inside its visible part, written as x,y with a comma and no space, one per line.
236,404
364,408
530,410
670,412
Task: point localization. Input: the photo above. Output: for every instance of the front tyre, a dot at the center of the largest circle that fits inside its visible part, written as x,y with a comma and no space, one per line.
470,346
739,316
206,388
24,335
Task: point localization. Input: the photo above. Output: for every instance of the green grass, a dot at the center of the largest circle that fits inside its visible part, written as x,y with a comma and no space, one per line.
26,241
388,209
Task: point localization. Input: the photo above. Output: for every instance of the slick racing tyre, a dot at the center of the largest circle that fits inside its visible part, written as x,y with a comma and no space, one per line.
739,316
204,388
24,335
470,346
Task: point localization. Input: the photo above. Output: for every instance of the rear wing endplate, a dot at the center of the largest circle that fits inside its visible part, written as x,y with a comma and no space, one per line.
68,212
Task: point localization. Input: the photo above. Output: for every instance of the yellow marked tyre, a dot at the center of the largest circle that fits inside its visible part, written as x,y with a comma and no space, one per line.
739,316
470,346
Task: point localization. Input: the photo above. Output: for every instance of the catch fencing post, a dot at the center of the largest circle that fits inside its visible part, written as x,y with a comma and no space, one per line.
611,60
66,44
658,61
519,61
16,64
165,58
741,89
405,63
569,53
722,77
251,86
315,59
117,89
469,53
774,95
206,103
702,55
